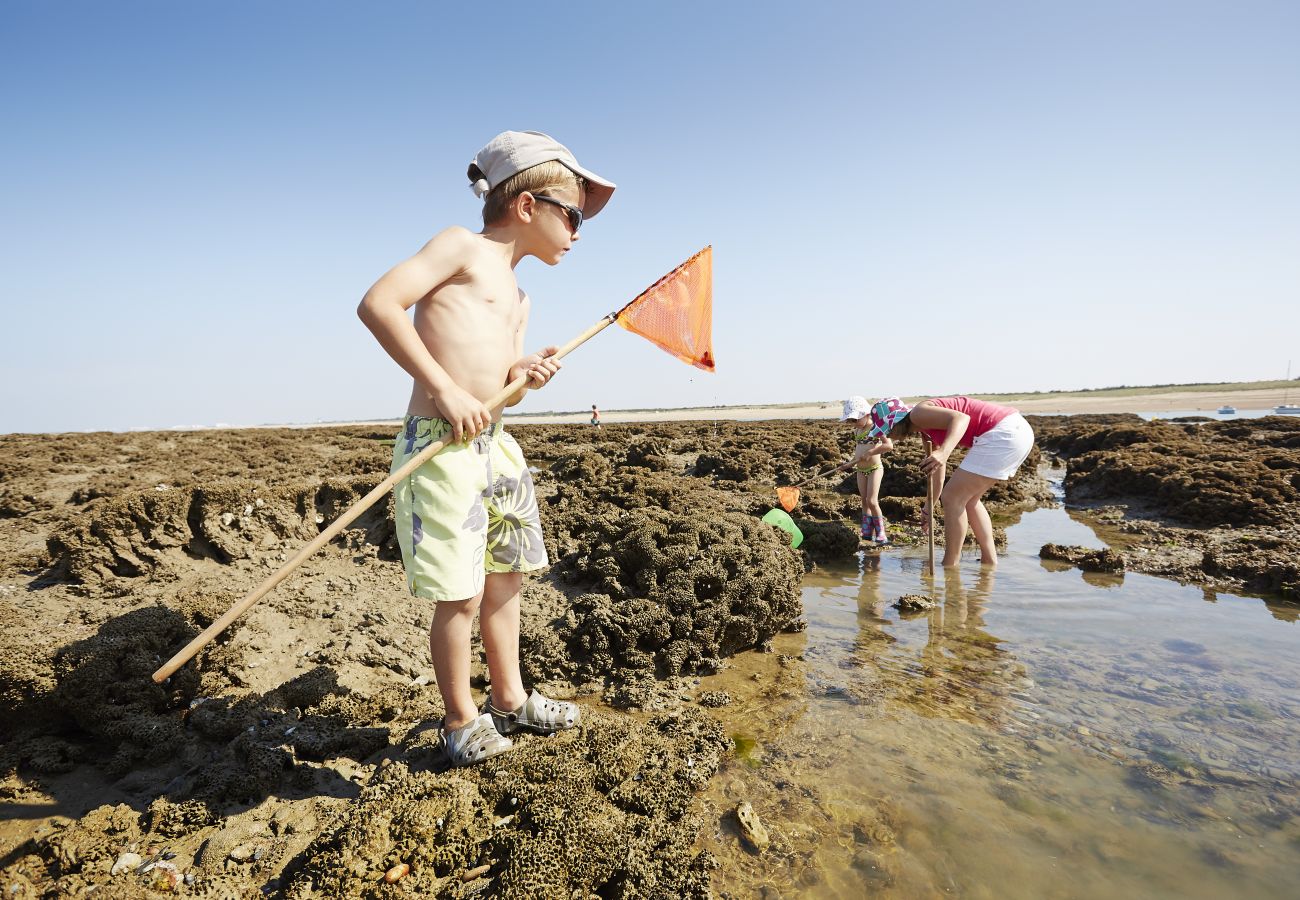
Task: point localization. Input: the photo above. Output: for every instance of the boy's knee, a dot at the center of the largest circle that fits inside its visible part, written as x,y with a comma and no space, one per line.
449,610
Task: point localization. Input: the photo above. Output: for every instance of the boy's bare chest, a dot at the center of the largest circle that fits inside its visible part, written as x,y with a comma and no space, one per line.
486,303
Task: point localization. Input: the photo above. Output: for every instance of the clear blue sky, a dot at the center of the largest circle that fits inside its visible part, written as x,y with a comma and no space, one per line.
902,197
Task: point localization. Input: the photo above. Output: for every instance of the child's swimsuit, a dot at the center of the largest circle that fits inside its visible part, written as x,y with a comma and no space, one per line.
861,438
467,511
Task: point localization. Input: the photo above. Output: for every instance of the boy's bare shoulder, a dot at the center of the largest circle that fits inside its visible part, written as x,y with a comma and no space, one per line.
456,239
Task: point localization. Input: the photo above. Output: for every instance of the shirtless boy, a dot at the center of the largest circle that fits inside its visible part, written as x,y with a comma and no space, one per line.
467,520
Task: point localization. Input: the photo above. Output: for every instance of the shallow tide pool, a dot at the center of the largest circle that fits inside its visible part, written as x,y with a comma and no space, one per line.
1040,733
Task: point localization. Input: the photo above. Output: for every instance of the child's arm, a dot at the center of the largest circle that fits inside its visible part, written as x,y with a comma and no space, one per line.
865,451
383,310
538,366
880,447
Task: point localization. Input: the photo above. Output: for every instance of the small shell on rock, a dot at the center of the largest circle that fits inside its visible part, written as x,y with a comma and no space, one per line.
165,877
396,873
126,861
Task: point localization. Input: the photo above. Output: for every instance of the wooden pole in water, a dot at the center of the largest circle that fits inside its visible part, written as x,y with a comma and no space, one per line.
348,516
928,446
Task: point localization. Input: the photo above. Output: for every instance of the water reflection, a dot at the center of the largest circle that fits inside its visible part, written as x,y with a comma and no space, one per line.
1029,736
961,670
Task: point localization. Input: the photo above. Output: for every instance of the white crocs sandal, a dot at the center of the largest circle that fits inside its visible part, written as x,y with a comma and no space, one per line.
476,740
539,714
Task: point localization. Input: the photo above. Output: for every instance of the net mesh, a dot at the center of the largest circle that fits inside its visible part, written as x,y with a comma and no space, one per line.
789,496
676,312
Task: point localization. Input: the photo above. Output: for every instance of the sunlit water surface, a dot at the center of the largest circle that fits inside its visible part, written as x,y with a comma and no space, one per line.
1040,733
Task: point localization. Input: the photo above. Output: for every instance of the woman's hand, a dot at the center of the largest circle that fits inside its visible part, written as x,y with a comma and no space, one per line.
937,460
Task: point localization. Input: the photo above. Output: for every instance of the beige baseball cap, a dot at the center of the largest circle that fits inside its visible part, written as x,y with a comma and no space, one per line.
510,152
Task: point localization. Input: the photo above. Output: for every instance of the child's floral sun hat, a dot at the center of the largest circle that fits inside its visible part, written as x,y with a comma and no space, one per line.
885,414
855,408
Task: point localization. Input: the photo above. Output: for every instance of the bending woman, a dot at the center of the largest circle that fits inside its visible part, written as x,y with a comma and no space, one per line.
998,438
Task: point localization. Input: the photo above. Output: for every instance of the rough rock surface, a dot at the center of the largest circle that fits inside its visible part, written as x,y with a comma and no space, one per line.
1216,503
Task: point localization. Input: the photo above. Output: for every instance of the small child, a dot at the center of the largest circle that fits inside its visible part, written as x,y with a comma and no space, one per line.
869,466
467,520
595,416
999,439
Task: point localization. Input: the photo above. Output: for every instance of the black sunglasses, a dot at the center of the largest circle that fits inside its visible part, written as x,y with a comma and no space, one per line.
575,214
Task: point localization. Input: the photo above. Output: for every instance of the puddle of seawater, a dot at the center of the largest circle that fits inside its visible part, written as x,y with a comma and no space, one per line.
1041,733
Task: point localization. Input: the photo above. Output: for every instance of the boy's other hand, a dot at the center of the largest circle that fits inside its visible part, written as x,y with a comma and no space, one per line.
464,412
539,367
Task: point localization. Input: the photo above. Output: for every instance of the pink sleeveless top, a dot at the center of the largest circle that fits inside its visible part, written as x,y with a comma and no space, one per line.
984,417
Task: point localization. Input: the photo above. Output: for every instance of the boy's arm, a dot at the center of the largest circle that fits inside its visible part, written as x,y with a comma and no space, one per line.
538,366
383,310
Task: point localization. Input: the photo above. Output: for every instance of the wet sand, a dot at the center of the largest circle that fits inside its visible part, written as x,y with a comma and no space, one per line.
299,755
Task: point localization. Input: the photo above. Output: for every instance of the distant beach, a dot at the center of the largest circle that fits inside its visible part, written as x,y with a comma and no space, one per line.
1176,399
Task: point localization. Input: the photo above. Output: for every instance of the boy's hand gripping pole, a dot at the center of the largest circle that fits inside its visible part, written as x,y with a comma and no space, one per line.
350,515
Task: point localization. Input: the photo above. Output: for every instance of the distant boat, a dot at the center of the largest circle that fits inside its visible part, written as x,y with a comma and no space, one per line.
1227,410
1284,408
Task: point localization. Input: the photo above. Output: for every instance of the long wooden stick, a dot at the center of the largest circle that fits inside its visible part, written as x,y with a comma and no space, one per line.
350,515
815,477
928,446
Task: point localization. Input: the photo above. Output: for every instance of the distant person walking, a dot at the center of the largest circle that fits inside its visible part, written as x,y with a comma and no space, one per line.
998,438
595,416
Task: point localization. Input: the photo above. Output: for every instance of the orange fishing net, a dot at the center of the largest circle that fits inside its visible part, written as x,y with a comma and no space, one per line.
789,496
676,312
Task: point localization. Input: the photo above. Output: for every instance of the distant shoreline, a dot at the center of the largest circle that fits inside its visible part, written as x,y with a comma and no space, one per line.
1176,399
1172,398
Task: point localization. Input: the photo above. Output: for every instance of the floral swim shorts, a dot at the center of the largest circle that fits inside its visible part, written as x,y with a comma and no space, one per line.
467,511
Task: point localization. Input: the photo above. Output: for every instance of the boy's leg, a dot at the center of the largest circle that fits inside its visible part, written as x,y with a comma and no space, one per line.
982,526
449,642
499,625
962,488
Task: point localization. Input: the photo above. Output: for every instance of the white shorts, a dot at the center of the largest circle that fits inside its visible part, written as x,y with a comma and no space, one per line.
998,452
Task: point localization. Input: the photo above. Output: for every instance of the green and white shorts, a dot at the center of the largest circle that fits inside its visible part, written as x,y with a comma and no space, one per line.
467,511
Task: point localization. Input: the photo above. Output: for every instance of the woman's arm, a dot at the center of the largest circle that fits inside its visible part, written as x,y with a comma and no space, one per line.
936,418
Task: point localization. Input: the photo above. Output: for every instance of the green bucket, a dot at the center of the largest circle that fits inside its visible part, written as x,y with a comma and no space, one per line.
781,519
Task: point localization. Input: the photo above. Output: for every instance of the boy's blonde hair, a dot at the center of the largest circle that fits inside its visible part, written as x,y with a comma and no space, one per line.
535,179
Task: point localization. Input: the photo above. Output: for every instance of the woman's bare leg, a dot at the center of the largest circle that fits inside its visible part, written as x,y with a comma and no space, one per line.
982,526
962,488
